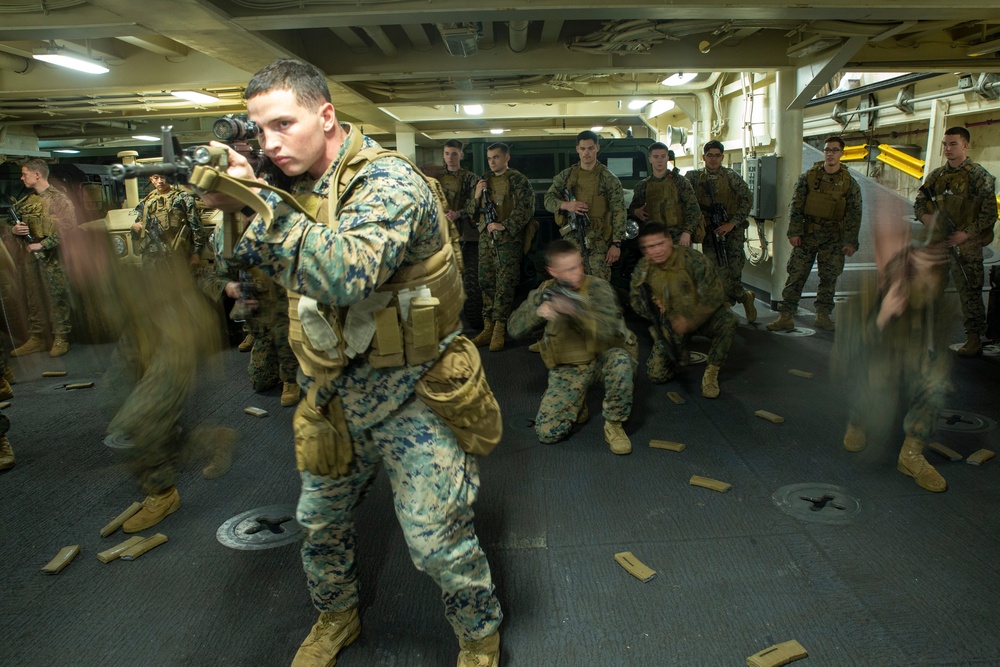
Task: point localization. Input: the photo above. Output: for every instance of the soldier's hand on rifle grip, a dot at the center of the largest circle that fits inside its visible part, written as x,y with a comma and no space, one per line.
641,213
958,238
20,229
613,255
724,229
239,167
547,311
796,241
480,186
680,324
575,206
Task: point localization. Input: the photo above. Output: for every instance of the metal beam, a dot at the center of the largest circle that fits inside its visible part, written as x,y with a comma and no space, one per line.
813,76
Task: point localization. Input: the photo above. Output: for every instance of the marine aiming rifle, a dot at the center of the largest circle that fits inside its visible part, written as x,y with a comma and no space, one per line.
489,215
576,223
28,238
562,290
669,339
949,228
717,216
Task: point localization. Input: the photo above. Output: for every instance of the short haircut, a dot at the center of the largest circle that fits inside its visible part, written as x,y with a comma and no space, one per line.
558,248
304,80
651,228
37,164
960,131
657,146
714,143
834,140
588,135
499,146
454,143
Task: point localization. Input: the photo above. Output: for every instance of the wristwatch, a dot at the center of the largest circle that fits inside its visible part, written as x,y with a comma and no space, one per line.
617,244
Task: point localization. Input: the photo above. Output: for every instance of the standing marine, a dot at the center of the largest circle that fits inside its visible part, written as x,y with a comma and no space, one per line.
459,187
168,222
666,197
824,219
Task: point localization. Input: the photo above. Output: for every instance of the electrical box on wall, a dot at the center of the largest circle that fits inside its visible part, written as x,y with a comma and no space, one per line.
761,174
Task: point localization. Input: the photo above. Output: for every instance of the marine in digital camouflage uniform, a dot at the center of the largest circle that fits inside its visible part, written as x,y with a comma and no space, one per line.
824,219
168,221
385,221
685,288
965,193
501,242
45,214
718,186
666,197
585,341
598,193
459,187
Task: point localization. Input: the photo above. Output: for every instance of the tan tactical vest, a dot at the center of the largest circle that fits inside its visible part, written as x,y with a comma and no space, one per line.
671,210
656,192
32,211
562,343
171,219
451,184
672,284
951,189
499,187
827,197
720,187
396,342
586,186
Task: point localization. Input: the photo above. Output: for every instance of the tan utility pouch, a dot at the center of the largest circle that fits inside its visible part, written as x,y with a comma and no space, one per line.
455,388
420,334
387,345
322,440
823,206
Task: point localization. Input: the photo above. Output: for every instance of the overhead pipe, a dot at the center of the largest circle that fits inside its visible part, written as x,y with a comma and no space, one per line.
518,36
381,39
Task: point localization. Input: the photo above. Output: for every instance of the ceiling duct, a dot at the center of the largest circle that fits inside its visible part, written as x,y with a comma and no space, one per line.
460,39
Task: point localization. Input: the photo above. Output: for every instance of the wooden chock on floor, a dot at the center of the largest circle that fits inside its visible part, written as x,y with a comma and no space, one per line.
634,566
142,547
116,551
666,444
980,457
770,416
117,522
777,655
62,559
944,451
709,483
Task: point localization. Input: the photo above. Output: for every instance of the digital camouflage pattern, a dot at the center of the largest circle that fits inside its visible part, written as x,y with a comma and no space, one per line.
498,277
978,204
567,383
822,241
47,215
704,305
735,196
389,219
164,217
598,240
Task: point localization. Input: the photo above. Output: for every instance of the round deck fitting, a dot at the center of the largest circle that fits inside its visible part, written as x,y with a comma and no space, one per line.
964,422
260,528
817,502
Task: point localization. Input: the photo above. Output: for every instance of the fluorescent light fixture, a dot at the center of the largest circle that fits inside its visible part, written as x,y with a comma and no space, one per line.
497,130
145,137
597,128
658,107
473,109
74,62
635,105
68,151
983,49
195,96
679,79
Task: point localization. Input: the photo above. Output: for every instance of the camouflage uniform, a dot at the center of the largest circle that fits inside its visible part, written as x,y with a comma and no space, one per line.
603,193
459,188
172,223
697,295
388,221
967,193
46,215
823,236
603,328
271,357
670,200
728,189
498,276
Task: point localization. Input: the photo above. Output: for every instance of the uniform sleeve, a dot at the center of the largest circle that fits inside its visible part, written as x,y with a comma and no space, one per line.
603,317
468,192
983,185
796,219
616,203
376,227
711,294
638,197
524,205
923,205
63,217
525,317
192,217
636,294
554,195
852,216
744,199
689,202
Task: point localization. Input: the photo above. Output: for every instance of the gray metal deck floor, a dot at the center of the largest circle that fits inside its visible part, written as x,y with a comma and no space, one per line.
911,581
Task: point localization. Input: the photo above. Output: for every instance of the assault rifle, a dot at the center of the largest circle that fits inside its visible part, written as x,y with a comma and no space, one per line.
489,215
949,228
577,223
670,339
561,290
28,238
717,216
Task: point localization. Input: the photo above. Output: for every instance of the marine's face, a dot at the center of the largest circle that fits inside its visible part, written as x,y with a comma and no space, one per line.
713,159
587,149
452,158
955,147
497,160
292,136
658,160
567,268
656,247
160,183
29,177
832,152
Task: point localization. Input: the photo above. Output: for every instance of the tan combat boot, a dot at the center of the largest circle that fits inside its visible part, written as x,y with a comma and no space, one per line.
783,323
6,454
710,382
5,391
8,375
615,436
855,439
155,508
247,343
749,306
483,652
290,394
485,336
823,321
499,336
60,346
973,346
222,441
535,347
912,462
31,346
333,631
